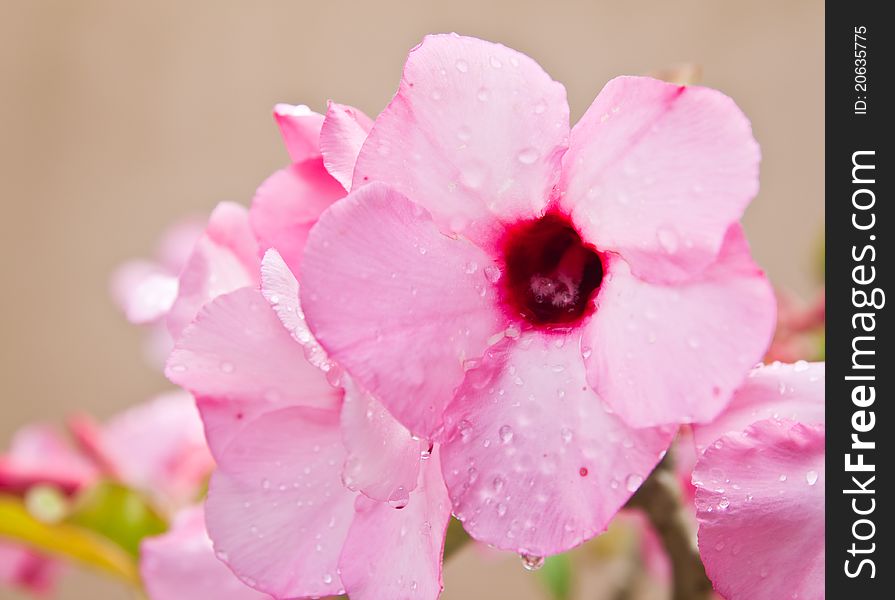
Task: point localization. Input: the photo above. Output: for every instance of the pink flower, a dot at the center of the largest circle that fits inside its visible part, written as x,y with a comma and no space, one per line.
548,304
760,487
181,564
39,454
29,570
157,447
303,502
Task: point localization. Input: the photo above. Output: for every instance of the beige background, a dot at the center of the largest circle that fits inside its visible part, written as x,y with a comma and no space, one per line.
118,116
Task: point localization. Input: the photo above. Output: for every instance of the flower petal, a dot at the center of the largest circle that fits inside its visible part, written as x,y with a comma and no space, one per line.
181,564
396,303
760,505
658,172
287,205
533,462
143,290
239,360
344,131
404,559
224,259
674,353
383,459
794,392
280,289
476,130
276,510
300,128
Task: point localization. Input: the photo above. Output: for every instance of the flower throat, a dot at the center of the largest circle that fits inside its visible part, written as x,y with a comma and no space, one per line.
550,274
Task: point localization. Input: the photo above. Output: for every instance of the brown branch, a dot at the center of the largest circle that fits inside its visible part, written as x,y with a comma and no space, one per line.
660,499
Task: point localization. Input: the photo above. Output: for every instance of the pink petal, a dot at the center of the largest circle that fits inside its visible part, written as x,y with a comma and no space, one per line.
181,564
300,127
794,392
38,454
276,509
760,505
658,172
476,130
533,462
159,447
396,303
383,459
344,131
225,259
674,353
239,360
397,554
143,290
287,205
24,568
280,289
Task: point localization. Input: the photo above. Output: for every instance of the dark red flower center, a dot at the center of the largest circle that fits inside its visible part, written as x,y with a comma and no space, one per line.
550,275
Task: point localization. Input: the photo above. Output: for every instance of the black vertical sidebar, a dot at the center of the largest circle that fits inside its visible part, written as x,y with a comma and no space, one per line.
860,420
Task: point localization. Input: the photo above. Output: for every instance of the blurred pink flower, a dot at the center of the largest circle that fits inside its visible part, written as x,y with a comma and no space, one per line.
549,304
181,564
144,289
157,447
303,502
760,487
39,454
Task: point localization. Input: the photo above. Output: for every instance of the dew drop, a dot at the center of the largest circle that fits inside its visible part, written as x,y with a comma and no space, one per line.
811,477
462,66
530,562
528,156
495,63
723,503
506,434
668,240
399,498
633,482
492,273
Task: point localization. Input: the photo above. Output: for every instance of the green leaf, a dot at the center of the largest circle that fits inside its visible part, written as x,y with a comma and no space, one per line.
117,513
556,575
65,540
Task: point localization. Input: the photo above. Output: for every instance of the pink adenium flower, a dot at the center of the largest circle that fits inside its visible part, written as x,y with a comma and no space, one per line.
310,475
548,304
157,447
181,564
760,487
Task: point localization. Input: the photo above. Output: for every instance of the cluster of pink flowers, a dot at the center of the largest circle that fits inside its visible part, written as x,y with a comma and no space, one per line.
465,307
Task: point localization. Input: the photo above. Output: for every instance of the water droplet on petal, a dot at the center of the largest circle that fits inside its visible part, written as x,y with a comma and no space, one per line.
528,156
399,498
462,66
633,482
811,477
506,434
531,562
668,240
492,273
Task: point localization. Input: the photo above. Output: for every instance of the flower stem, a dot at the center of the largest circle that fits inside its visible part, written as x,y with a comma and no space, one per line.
660,499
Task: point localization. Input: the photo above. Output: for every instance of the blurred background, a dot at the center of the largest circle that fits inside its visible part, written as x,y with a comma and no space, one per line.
118,117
